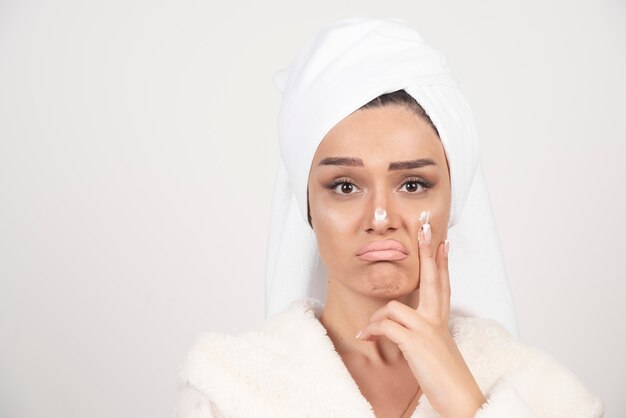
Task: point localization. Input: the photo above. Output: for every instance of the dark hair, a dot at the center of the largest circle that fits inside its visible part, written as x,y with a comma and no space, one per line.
397,98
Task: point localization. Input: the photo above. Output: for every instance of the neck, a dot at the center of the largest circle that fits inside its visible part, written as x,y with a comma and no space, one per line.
346,313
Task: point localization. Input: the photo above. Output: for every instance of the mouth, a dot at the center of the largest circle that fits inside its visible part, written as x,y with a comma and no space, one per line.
386,250
383,255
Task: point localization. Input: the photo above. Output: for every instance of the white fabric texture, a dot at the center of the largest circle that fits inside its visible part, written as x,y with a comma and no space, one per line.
290,368
339,69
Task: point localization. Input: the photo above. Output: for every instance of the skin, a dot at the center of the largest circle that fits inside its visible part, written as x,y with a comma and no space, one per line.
401,307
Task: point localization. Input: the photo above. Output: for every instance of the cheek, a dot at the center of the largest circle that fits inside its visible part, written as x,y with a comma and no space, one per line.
327,214
333,224
439,222
334,227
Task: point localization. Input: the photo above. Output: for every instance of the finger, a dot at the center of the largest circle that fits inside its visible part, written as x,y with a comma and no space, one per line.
398,312
429,297
444,278
387,328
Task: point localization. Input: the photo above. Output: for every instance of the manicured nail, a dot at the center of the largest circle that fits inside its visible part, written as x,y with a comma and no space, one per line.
424,234
446,248
427,235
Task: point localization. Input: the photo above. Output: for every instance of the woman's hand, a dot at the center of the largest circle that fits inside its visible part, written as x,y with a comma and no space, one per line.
423,337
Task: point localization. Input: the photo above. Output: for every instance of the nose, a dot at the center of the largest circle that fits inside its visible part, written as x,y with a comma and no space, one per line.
380,215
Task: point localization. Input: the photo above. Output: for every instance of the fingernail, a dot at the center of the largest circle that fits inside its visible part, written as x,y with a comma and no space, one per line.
446,248
426,233
359,334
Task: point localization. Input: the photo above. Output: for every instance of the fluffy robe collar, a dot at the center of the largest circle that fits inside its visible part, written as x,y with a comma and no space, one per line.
289,368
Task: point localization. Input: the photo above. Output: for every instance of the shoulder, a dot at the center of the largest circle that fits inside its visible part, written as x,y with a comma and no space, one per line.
217,356
253,361
499,360
234,374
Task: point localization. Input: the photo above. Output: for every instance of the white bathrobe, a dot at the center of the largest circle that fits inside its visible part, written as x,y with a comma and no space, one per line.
289,368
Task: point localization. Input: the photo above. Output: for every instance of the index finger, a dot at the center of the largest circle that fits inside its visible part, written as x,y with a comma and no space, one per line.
430,286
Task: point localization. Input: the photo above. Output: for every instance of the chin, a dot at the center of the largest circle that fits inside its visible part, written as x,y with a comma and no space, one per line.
389,285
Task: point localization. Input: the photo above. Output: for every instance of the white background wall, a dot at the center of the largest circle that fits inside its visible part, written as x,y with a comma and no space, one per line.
137,155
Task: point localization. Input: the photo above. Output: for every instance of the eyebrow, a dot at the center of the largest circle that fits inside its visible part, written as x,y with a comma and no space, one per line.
396,165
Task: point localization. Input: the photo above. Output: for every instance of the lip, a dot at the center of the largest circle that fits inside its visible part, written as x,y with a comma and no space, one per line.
388,249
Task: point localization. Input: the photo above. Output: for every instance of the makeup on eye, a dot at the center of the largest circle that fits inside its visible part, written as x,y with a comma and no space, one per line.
420,181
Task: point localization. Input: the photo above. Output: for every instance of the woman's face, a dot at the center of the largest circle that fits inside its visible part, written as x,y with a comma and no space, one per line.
383,157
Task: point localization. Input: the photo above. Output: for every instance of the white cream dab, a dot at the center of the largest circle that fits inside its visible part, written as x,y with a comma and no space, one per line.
380,214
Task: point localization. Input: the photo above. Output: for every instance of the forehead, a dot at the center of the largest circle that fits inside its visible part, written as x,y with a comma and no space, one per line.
382,134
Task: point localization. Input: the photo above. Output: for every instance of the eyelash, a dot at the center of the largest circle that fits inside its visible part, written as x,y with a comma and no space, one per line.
422,182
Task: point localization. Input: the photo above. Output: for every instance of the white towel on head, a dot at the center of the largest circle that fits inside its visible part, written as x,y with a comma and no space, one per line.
340,68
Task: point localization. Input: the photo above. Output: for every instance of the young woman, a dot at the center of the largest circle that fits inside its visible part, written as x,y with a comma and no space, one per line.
380,183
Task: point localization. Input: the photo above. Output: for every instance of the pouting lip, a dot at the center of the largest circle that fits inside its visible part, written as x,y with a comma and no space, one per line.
388,244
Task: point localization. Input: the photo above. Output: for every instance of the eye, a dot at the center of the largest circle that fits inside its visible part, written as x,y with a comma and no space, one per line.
414,183
347,186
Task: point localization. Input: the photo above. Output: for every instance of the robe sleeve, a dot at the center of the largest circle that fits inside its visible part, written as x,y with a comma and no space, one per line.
503,400
519,380
191,403
541,387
